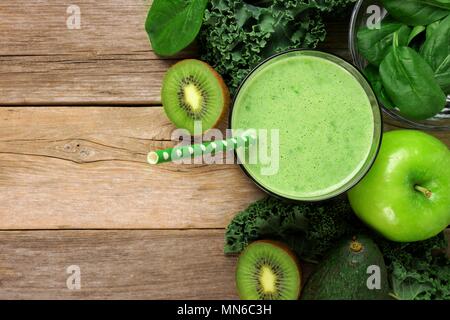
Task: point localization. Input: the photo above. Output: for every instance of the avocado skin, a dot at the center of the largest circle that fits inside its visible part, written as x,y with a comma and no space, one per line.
342,275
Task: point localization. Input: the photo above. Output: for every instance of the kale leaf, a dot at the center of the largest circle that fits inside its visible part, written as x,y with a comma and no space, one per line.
310,229
238,34
418,271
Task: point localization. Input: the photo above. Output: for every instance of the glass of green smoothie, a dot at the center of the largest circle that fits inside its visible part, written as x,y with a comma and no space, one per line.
326,118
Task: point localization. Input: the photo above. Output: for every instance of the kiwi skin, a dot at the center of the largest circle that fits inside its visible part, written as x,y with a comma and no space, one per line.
225,90
291,254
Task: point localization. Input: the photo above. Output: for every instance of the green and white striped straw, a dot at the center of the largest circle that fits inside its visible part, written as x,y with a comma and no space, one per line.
197,150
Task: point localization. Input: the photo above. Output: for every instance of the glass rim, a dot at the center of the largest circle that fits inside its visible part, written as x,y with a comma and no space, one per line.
377,132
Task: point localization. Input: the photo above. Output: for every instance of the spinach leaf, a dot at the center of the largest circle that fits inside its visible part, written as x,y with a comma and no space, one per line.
375,44
436,51
445,4
443,78
372,74
416,12
409,82
174,24
432,27
415,32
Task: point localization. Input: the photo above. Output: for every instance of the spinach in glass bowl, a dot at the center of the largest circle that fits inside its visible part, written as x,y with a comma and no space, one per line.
403,48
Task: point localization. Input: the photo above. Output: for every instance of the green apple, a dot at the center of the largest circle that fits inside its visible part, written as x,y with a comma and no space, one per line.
406,194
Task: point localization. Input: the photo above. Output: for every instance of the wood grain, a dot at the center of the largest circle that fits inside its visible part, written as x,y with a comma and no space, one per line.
126,264
336,41
116,265
85,167
108,61
81,167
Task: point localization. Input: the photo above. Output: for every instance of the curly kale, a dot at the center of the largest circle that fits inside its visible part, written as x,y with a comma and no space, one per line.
418,270
310,229
238,34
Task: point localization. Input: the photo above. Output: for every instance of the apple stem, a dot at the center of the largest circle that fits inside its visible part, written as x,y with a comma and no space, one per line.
427,193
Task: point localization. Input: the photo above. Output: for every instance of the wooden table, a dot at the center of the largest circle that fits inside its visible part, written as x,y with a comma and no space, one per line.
79,110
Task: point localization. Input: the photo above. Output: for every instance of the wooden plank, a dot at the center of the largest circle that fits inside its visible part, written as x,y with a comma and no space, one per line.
81,167
107,61
147,264
75,167
337,36
126,264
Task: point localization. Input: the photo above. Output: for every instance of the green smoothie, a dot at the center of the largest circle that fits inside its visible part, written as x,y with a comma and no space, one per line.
326,119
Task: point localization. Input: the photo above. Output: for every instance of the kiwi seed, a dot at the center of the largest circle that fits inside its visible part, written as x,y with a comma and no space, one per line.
193,91
268,270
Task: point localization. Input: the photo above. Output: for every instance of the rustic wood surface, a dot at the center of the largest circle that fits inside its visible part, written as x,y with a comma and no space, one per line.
78,113
80,167
85,167
107,61
140,264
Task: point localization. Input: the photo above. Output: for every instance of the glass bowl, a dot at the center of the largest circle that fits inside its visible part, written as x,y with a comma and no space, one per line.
359,18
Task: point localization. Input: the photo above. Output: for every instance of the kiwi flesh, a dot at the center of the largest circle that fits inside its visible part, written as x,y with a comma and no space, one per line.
193,91
268,270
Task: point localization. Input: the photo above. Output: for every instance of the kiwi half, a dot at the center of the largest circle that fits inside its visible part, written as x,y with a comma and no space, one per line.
193,91
268,270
